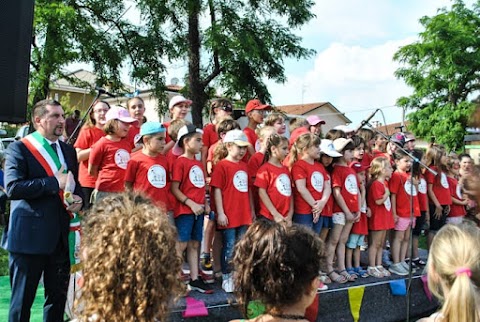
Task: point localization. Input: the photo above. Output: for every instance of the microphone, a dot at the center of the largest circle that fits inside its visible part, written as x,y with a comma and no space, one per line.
366,120
104,91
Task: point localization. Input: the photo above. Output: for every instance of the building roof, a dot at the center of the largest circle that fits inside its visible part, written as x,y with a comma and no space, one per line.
301,109
392,128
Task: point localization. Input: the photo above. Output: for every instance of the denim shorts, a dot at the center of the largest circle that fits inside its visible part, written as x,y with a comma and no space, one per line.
355,240
307,220
325,222
189,227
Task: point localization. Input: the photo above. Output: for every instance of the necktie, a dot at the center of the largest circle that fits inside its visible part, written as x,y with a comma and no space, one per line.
54,147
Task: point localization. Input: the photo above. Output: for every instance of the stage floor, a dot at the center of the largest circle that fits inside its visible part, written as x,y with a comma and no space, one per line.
370,298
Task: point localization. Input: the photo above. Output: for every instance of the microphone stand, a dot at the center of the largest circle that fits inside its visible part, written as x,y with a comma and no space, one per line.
410,237
82,121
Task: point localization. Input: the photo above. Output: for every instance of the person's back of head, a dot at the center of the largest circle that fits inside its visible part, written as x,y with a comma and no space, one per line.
130,266
454,271
276,265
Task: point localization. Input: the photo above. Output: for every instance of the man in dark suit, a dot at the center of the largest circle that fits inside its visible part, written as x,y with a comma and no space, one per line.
37,234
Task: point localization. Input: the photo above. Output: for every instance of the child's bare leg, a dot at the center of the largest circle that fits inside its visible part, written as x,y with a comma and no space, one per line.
356,257
404,245
324,234
396,245
348,257
332,242
341,245
192,258
375,247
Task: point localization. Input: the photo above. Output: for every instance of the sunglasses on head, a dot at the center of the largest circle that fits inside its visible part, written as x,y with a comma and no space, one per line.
227,108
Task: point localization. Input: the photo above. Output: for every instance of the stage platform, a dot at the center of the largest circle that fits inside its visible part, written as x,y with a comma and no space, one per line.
370,298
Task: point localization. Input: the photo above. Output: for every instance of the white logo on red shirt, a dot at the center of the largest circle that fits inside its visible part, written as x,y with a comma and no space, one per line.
317,180
459,192
408,186
240,181
283,185
444,181
422,186
135,140
258,146
196,176
351,184
121,158
388,204
157,176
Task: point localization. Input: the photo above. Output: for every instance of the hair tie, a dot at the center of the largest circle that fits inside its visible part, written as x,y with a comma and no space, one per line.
463,270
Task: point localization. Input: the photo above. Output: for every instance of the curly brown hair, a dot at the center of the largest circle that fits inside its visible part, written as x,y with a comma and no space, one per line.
130,266
276,264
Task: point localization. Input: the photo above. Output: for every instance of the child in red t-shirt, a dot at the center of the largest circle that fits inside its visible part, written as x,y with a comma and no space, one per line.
110,155
90,133
189,187
277,121
273,182
219,109
359,228
369,139
136,108
359,150
179,108
381,220
147,169
255,111
346,209
457,209
311,181
438,188
403,195
232,199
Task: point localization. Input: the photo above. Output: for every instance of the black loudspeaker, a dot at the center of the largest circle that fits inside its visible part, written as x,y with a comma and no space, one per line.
16,24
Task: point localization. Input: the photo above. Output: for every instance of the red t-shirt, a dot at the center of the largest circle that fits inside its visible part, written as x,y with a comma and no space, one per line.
360,227
232,179
400,185
112,160
87,137
167,137
315,177
456,192
133,135
328,209
252,138
422,193
210,136
253,165
382,218
276,181
367,159
345,178
149,175
440,187
190,174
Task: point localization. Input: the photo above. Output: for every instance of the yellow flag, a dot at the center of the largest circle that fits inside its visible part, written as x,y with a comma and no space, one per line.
355,297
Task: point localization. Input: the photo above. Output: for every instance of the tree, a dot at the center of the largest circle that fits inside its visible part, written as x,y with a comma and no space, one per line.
443,68
232,45
95,32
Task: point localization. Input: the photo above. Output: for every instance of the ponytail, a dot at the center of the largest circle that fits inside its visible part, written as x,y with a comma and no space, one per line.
219,153
304,141
273,140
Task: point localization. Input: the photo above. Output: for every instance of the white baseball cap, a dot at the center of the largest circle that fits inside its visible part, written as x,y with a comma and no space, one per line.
184,130
326,146
237,137
177,100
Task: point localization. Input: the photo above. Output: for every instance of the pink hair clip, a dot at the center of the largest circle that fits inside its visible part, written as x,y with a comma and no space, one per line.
463,270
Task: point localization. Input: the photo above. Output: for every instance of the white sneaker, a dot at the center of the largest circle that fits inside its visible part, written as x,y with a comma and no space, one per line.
322,287
407,267
398,269
227,283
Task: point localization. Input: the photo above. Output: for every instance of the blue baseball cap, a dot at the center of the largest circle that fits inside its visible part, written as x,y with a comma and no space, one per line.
149,128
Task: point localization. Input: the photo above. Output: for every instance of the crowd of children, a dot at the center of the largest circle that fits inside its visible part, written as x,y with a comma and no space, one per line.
353,190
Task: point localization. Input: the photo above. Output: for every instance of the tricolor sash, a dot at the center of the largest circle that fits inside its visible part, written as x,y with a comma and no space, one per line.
48,158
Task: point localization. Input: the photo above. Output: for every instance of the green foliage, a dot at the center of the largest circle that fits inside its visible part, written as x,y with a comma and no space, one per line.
443,69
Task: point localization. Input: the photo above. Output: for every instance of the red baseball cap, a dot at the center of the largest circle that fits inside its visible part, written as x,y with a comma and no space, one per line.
256,105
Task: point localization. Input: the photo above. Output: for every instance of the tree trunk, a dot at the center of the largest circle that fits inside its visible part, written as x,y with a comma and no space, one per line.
197,90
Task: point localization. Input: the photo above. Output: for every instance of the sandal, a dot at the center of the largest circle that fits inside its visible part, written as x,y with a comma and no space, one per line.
339,279
385,272
419,262
373,271
352,272
350,278
360,272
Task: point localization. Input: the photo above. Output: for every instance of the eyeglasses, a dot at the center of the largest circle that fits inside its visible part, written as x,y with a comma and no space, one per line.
102,110
227,108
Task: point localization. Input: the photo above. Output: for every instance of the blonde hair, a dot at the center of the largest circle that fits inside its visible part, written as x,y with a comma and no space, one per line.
265,131
174,127
296,123
304,141
273,118
434,155
130,266
376,167
274,140
454,252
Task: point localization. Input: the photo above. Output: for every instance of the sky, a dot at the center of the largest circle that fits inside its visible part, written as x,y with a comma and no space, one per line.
353,67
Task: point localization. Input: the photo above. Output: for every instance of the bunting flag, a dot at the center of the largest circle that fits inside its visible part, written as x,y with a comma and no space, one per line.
424,279
194,308
254,309
355,297
398,287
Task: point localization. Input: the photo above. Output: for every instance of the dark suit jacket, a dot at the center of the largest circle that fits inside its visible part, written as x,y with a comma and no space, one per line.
38,218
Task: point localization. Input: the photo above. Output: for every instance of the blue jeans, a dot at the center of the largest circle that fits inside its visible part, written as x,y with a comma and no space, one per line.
307,220
230,236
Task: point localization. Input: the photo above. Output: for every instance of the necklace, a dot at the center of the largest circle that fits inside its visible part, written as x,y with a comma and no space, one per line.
289,316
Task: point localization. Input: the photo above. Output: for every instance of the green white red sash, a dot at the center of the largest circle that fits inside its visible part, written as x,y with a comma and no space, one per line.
48,158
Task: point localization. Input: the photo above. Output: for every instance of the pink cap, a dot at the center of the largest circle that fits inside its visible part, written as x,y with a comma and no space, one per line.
314,120
121,114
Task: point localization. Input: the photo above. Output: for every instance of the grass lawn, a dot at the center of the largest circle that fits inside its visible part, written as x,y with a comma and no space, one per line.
37,308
